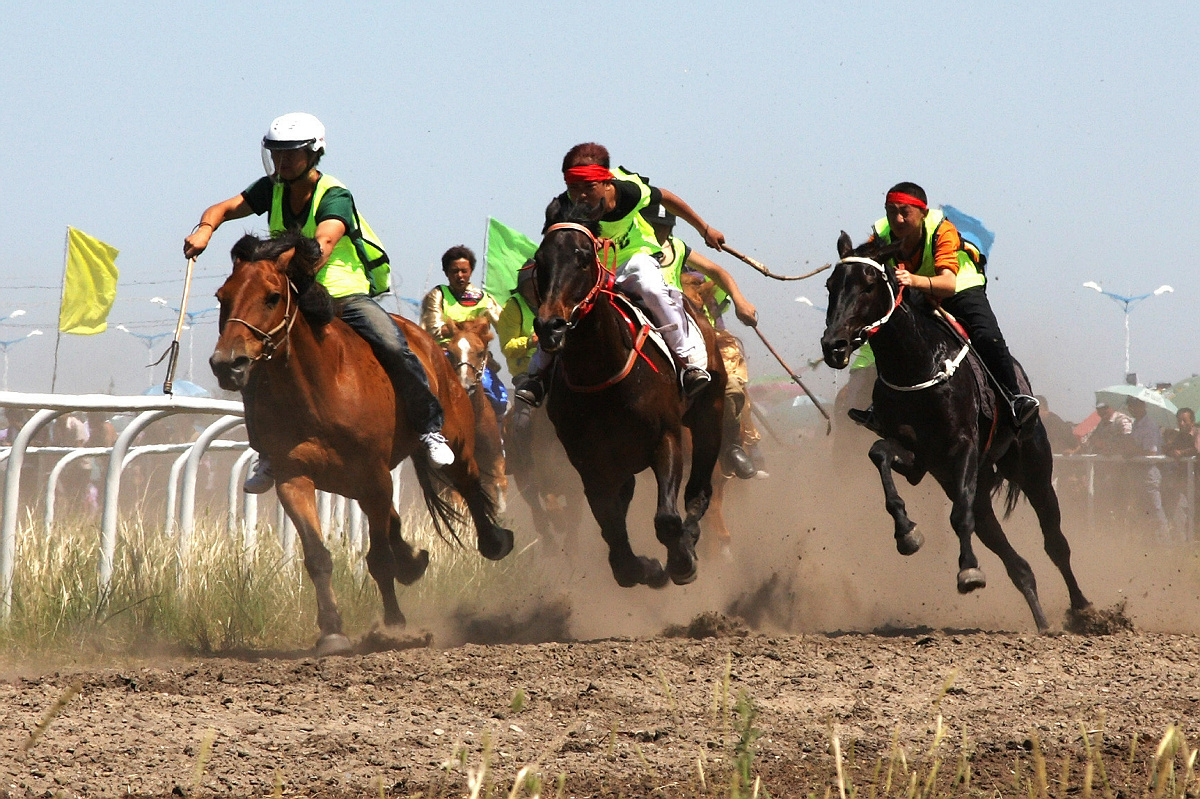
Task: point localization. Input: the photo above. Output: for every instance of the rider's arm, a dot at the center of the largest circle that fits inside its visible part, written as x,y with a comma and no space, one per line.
741,306
211,219
516,343
675,204
941,285
328,234
432,318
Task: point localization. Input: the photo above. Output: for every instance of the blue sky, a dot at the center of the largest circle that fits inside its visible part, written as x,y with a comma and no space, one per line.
1068,128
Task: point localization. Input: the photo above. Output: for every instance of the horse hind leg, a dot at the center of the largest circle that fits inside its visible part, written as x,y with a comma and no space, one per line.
988,528
410,564
299,499
888,455
706,432
610,505
494,541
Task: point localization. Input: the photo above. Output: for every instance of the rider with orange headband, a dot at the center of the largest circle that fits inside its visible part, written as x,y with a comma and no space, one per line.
614,200
935,261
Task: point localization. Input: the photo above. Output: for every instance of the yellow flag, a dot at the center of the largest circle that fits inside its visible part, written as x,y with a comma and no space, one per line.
89,286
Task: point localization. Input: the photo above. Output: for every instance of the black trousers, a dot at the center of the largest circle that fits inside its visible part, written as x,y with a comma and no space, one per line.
971,307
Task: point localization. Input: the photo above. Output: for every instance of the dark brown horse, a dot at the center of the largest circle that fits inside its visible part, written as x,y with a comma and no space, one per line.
617,408
467,348
321,407
940,419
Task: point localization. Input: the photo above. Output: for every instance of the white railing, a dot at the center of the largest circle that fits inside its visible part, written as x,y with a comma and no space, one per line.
181,484
1091,461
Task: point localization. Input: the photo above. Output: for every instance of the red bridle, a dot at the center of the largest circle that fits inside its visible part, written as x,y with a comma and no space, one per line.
605,275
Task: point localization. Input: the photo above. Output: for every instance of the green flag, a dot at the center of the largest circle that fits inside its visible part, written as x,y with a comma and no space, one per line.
89,285
507,251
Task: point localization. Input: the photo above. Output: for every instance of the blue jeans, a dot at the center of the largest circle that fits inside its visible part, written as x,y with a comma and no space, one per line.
382,332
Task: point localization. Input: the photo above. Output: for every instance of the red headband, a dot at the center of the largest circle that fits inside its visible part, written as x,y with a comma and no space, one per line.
900,198
587,173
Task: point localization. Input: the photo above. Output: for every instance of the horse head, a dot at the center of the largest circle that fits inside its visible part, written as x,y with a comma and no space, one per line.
569,277
862,295
260,300
467,348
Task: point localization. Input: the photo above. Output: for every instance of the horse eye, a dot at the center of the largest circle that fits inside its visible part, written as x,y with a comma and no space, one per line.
273,299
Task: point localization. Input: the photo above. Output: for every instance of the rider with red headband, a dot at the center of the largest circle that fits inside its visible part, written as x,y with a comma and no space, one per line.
935,261
614,200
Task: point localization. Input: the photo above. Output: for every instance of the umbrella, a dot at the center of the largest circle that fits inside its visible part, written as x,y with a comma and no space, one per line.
1158,407
181,388
1186,393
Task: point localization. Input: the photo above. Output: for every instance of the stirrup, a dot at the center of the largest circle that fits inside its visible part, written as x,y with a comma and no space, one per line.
532,391
694,380
1024,409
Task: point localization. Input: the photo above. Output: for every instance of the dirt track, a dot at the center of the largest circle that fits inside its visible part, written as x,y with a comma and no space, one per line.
625,716
598,712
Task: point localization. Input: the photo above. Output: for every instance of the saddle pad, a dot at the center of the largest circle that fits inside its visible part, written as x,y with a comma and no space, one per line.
987,395
640,318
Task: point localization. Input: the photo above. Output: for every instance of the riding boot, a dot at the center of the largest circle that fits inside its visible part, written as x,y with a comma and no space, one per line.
867,419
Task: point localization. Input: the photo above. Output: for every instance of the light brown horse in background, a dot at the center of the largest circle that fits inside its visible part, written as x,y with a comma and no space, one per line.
467,348
322,408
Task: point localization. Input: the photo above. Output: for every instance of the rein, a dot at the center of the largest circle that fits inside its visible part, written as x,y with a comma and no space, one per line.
949,366
269,343
605,280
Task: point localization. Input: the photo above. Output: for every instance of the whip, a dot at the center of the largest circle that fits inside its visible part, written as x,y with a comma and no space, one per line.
173,352
799,382
759,266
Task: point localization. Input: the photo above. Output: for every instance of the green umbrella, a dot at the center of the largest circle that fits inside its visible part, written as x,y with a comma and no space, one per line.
1158,407
1186,393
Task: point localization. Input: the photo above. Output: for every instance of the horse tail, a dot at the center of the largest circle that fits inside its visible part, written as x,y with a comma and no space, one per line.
442,511
1011,497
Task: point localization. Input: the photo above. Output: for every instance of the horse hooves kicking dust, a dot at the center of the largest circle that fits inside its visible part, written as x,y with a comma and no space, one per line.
1096,621
971,580
335,644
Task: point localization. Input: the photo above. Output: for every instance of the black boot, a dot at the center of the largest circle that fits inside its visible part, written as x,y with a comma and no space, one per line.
529,389
694,380
1024,410
867,419
738,463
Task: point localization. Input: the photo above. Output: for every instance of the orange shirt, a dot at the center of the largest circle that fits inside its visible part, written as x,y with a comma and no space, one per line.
946,244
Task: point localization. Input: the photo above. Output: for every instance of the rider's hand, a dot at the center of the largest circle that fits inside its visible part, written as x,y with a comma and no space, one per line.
746,313
904,277
196,243
713,237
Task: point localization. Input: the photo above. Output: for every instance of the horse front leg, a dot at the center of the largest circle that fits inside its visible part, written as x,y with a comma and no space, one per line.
610,505
704,423
299,499
887,455
966,485
668,527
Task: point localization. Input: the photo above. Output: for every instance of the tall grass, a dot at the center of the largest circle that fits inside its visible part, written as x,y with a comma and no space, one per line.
219,596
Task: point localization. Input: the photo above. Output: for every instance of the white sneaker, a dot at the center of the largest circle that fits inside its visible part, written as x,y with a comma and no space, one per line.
261,478
438,450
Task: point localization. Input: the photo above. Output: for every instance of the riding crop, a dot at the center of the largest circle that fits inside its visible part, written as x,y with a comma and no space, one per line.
174,351
759,266
799,382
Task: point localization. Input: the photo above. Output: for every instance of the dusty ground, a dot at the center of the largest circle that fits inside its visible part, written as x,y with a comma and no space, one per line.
643,715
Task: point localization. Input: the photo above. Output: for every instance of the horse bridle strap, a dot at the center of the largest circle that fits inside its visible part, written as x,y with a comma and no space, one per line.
897,296
949,367
604,276
269,342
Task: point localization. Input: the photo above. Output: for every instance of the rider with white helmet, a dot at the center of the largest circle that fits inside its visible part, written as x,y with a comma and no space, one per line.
299,197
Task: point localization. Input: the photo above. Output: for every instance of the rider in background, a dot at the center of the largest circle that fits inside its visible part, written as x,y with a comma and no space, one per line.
614,198
677,260
935,261
459,300
298,197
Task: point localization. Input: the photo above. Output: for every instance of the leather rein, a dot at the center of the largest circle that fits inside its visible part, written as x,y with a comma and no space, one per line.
269,343
605,280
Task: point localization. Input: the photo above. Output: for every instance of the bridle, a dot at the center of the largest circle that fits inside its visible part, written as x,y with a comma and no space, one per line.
269,343
949,366
605,276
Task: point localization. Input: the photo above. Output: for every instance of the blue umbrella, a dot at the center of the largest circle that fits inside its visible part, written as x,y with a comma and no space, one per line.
1158,407
181,388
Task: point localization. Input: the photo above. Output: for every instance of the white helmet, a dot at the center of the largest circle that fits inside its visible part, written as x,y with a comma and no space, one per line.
292,132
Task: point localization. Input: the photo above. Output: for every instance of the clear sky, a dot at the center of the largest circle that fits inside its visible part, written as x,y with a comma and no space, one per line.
1069,128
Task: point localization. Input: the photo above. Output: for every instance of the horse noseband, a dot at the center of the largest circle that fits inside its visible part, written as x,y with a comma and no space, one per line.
268,340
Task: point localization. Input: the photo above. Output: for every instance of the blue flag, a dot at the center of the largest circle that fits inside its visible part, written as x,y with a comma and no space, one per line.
970,229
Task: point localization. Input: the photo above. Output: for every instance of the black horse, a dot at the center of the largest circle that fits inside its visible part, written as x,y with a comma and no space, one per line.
938,417
617,409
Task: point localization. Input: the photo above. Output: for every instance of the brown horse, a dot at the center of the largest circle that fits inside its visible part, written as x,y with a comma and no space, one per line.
467,348
617,407
322,408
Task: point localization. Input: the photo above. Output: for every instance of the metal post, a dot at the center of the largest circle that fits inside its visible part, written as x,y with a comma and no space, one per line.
187,504
56,473
12,489
235,492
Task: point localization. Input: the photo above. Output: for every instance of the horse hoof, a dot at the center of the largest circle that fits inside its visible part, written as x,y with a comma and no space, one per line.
655,575
411,571
497,544
910,542
333,644
971,580
682,567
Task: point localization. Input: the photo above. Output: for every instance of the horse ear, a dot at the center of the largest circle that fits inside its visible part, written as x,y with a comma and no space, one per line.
285,260
844,245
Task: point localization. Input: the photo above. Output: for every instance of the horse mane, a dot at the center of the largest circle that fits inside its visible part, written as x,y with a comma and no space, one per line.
561,209
314,300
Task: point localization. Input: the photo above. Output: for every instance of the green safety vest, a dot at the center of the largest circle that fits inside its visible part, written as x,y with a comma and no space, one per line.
673,275
631,233
454,310
346,272
969,275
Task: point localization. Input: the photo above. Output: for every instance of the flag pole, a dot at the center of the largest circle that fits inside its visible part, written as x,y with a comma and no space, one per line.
174,351
61,294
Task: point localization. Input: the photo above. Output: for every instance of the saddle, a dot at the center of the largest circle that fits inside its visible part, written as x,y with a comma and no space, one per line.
984,381
642,329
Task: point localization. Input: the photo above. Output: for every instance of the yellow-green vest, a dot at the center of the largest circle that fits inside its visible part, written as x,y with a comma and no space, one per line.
344,273
969,275
631,233
454,310
673,275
